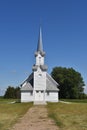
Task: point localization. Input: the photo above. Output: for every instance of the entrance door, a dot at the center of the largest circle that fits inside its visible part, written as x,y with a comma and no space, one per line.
39,95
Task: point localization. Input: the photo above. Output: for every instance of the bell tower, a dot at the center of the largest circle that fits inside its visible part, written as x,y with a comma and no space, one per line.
39,55
39,70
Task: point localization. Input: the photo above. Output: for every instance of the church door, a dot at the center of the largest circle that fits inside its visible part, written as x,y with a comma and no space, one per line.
39,96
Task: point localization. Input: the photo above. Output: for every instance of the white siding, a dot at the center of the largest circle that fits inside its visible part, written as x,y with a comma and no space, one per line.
39,80
26,97
39,60
52,97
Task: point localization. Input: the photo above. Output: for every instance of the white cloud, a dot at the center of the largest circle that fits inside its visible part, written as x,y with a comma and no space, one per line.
2,91
85,89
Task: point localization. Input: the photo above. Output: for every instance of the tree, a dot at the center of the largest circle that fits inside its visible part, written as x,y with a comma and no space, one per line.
17,92
70,81
12,92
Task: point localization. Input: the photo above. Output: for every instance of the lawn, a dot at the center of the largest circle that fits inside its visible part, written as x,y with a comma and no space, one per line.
75,100
71,116
10,112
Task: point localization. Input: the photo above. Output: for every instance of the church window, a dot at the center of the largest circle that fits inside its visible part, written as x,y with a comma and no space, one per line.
48,94
40,75
31,93
39,59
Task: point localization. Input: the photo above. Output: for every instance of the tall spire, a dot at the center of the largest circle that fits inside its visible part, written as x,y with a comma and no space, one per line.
40,45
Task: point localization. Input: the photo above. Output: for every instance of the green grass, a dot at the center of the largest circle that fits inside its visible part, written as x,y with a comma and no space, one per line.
75,100
10,113
69,116
2,100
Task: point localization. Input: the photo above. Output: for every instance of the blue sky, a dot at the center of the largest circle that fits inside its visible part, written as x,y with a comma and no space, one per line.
64,30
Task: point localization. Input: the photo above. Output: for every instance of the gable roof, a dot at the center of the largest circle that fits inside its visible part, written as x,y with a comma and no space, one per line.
29,79
27,87
51,84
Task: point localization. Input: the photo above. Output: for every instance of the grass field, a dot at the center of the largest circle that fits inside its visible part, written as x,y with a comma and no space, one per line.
10,112
75,100
71,116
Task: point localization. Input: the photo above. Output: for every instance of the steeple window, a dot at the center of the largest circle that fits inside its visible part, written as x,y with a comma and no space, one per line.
39,60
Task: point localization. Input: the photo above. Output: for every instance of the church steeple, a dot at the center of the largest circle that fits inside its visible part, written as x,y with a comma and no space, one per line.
40,44
39,54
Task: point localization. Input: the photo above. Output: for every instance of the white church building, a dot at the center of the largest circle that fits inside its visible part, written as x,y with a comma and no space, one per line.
39,87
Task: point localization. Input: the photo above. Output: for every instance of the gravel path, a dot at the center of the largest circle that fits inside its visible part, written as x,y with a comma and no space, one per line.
35,119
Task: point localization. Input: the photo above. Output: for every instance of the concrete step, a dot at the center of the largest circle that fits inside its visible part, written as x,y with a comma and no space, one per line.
40,103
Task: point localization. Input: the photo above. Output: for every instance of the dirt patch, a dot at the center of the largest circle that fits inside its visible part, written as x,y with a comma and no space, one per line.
35,119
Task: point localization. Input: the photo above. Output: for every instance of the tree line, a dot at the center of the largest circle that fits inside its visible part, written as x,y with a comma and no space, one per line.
71,83
12,92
